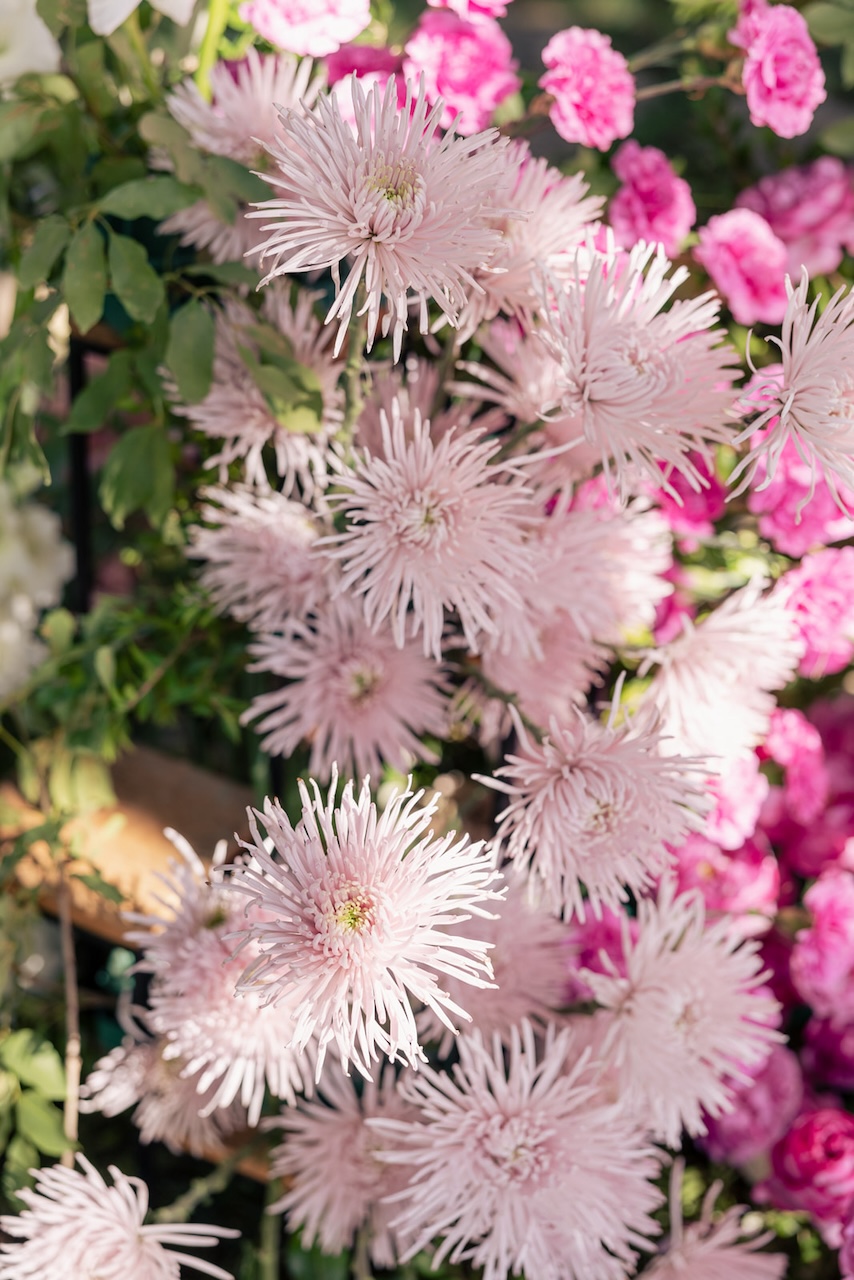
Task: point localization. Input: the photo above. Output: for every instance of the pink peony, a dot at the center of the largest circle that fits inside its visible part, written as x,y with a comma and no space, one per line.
822,965
653,204
763,1108
744,884
782,75
828,1054
747,263
822,602
592,87
314,27
813,1170
811,209
469,65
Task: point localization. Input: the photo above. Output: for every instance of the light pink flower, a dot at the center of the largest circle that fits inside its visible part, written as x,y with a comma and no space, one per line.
358,698
202,227
434,526
591,808
690,1014
353,916
782,75
314,27
811,209
821,594
712,1249
468,65
747,263
473,8
822,962
518,1166
592,87
76,1225
743,884
653,204
257,547
646,385
763,1108
337,1185
412,214
739,791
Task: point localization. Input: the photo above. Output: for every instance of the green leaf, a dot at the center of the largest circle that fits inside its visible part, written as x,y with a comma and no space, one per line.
292,390
138,475
838,137
846,66
58,629
162,131
92,407
48,831
105,666
829,23
148,198
134,281
84,282
95,881
52,235
91,783
58,14
189,352
19,124
223,272
40,1122
21,1156
222,174
35,1062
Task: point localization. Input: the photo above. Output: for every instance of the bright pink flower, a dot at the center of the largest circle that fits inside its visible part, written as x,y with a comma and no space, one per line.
596,943
811,209
796,744
813,1170
653,204
314,27
822,965
744,884
822,603
796,508
592,87
782,74
747,263
363,59
469,65
473,8
763,1107
689,511
739,791
828,1054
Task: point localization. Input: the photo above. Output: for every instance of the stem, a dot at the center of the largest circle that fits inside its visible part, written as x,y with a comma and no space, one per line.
445,366
661,52
536,118
158,673
361,1264
217,22
693,84
72,1019
354,399
146,66
201,1189
271,1234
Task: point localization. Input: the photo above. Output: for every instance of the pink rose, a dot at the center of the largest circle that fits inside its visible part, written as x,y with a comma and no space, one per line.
747,264
822,964
762,1110
653,204
313,27
828,1054
782,75
469,64
809,208
813,1170
822,603
592,87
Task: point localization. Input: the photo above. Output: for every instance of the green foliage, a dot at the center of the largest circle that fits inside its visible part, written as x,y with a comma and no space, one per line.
190,350
37,262
148,198
133,280
292,391
35,1062
139,475
84,282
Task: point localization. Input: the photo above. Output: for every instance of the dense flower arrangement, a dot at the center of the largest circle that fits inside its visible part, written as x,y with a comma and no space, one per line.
439,471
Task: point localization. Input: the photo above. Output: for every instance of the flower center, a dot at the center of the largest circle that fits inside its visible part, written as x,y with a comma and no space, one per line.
398,183
517,1150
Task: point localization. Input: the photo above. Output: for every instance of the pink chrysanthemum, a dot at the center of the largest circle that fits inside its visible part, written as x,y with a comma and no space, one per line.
813,403
690,1014
434,526
351,916
709,1249
257,547
338,1186
644,384
528,964
518,1167
352,692
77,1227
412,213
415,385
714,690
202,227
591,808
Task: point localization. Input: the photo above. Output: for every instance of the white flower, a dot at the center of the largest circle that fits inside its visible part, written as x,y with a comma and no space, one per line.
106,15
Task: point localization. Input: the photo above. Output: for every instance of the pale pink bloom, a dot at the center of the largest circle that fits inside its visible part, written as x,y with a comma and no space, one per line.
338,1187
591,808
240,119
473,8
528,965
202,227
257,547
413,214
715,1248
77,1227
747,264
690,1014
763,1107
415,384
811,209
739,790
354,912
822,962
813,403
314,27
821,595
236,410
653,204
468,65
715,685
358,698
646,385
743,884
592,87
782,74
434,526
518,1166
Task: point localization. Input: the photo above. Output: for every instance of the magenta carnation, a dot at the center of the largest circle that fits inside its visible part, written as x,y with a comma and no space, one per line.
813,1170
314,27
822,965
592,87
469,65
747,263
811,209
653,204
822,601
782,75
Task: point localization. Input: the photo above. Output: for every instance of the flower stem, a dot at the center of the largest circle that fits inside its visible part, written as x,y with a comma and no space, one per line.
271,1234
217,22
146,66
72,1019
691,84
354,398
202,1189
